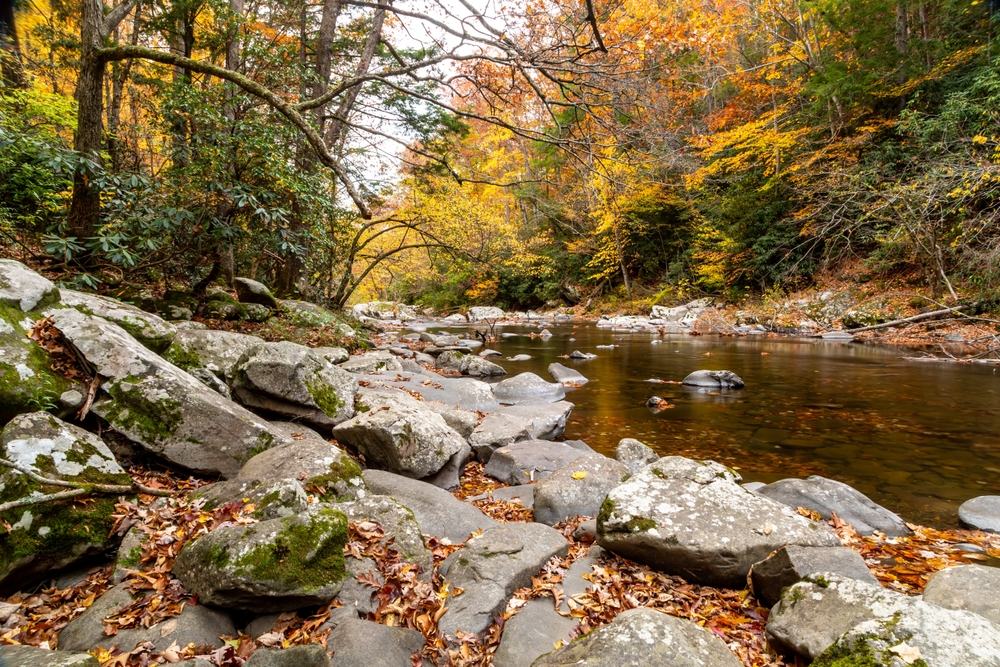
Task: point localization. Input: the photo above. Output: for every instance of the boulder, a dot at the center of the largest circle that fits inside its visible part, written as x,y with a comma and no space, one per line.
22,655
464,393
644,637
523,495
197,624
578,489
397,433
23,289
384,310
577,354
306,655
450,476
714,380
47,536
150,330
827,496
294,381
567,376
792,564
254,312
486,354
529,460
634,454
305,314
693,519
546,420
398,522
527,386
981,513
271,499
216,351
159,406
457,318
251,291
520,357
479,367
437,512
321,467
276,565
353,642
495,431
490,568
372,362
974,588
463,421
480,313
450,360
335,355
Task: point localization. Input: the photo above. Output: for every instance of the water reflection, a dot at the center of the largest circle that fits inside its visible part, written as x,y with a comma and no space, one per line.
917,438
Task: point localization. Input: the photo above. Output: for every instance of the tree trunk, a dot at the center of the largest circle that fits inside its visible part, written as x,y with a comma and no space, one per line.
902,41
11,67
120,72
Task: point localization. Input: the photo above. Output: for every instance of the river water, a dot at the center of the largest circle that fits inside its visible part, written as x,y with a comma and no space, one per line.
919,438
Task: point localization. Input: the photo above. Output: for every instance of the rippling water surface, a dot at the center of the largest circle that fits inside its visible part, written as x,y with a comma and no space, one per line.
919,438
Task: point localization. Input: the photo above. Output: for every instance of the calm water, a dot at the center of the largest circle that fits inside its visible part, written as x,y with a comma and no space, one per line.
919,438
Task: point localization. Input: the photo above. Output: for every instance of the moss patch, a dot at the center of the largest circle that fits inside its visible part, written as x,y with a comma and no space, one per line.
183,356
332,486
325,396
640,524
133,412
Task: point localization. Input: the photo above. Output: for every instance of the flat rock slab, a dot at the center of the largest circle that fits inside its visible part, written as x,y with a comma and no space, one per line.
982,513
438,513
147,328
578,489
640,637
530,460
32,656
320,466
276,565
792,564
974,588
497,430
567,376
359,643
634,454
827,496
490,568
216,351
464,393
526,387
523,494
545,420
197,624
692,519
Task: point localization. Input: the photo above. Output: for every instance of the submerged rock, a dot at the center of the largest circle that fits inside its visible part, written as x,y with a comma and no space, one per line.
714,380
827,496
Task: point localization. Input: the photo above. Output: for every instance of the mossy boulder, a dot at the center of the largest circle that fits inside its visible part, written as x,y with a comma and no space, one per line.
147,328
23,289
276,565
271,499
52,535
217,351
294,381
256,312
225,310
250,291
305,314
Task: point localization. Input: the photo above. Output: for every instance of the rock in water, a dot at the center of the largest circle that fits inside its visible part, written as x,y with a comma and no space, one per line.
276,565
692,519
527,386
634,454
714,380
546,420
216,351
480,313
491,567
251,291
792,564
150,330
827,496
982,513
47,536
159,406
974,588
293,380
578,489
644,637
567,376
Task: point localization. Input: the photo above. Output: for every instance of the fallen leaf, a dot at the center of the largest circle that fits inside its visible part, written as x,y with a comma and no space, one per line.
579,474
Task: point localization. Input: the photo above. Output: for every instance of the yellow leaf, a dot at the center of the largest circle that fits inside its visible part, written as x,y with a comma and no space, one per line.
579,474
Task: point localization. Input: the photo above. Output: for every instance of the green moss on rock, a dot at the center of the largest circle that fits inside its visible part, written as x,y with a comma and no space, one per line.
331,485
132,412
325,396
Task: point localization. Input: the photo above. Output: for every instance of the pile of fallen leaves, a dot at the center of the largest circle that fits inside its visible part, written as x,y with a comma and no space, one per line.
474,482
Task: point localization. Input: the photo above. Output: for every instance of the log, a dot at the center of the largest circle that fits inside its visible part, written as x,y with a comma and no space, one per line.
905,320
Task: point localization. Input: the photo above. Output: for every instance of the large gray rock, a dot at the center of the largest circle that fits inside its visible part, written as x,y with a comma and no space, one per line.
792,564
641,637
251,291
438,513
397,433
159,406
497,430
827,496
450,476
692,519
22,655
47,536
982,513
216,351
23,289
276,565
335,355
197,624
527,386
523,495
528,460
321,467
578,489
147,328
567,376
450,360
490,568
634,454
306,655
372,362
294,381
478,367
272,499
305,314
463,421
974,588
398,522
714,380
464,393
384,310
360,643
546,420
480,313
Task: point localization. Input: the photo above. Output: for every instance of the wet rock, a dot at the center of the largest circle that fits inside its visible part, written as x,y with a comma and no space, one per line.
335,355
353,642
491,567
519,357
319,466
197,624
528,460
827,496
450,476
982,513
159,406
974,588
577,354
792,564
693,519
578,489
31,656
438,513
545,420
251,291
497,430
398,522
567,376
272,499
23,289
294,381
307,655
634,454
400,435
480,313
486,354
644,637
277,565
44,537
150,330
714,380
372,362
527,386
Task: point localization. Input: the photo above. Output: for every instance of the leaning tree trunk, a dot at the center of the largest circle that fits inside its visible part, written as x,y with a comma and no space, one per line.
11,67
